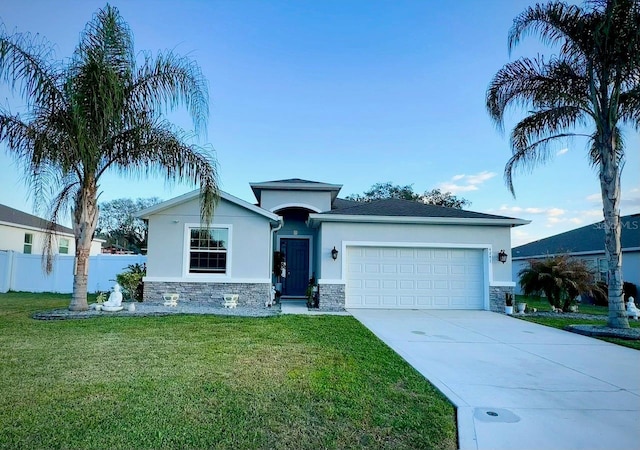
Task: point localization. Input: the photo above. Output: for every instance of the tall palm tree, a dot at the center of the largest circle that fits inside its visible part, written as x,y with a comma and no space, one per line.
591,83
100,112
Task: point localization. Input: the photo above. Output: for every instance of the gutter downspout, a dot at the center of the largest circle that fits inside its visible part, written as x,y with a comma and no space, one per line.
273,232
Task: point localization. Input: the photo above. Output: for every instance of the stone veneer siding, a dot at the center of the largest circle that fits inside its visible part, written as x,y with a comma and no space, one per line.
249,294
332,297
497,295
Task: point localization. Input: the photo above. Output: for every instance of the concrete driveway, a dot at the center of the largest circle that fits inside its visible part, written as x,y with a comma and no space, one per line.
517,384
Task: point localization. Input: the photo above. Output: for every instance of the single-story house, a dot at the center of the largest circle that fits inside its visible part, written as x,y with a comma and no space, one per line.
24,233
587,243
384,254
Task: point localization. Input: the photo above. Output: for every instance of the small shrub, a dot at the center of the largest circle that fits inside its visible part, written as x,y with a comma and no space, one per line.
131,281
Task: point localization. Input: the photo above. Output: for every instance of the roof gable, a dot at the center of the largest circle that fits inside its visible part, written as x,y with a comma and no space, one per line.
589,238
145,213
16,217
295,184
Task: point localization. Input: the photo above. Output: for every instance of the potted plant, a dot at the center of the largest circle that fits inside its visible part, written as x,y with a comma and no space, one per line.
521,307
312,294
508,303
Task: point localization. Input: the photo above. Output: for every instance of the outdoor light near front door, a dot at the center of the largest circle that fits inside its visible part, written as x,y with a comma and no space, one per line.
334,253
502,256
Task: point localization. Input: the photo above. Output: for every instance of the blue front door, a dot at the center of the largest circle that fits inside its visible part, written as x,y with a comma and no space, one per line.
296,256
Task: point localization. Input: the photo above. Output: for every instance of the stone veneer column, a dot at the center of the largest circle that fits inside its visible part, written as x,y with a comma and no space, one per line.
249,294
332,297
497,297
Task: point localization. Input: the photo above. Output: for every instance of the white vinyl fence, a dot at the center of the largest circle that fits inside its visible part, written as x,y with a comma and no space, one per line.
20,272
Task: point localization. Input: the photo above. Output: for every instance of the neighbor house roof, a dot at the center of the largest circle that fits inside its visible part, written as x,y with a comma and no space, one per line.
397,210
10,216
587,239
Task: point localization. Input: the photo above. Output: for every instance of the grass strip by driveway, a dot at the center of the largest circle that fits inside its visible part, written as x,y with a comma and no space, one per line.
202,382
560,321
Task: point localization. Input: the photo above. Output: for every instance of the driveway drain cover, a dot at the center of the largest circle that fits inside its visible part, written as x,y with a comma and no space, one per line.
496,415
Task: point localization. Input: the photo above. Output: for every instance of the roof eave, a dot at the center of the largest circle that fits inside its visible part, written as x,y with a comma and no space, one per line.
315,219
580,253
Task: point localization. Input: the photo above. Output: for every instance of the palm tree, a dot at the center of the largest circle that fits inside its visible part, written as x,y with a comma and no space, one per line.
560,278
100,112
592,84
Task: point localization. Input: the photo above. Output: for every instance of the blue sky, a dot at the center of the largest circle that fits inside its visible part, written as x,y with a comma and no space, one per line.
345,92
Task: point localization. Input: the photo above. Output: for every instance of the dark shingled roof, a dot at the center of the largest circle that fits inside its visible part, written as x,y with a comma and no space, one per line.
294,180
22,218
407,208
589,238
340,203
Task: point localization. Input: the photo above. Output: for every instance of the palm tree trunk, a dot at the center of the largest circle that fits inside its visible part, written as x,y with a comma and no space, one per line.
85,219
610,187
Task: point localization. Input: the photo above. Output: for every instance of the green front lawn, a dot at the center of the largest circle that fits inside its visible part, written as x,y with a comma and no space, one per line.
559,321
542,304
205,382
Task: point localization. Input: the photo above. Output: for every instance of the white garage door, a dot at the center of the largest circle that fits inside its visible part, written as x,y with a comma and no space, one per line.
414,278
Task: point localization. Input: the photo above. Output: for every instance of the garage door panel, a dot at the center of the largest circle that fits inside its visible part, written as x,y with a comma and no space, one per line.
372,284
381,277
406,284
389,268
389,284
371,253
371,300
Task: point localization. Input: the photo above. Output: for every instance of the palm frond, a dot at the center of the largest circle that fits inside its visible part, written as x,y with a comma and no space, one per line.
535,83
159,148
528,158
27,67
59,205
172,81
597,148
555,23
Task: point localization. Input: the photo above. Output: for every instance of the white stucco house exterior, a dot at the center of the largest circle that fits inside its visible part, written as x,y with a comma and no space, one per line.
388,253
24,233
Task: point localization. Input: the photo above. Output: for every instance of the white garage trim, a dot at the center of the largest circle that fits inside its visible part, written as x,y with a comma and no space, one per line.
486,258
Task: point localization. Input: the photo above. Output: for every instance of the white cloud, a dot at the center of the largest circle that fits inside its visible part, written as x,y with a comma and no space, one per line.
631,199
555,212
456,188
562,151
594,198
465,183
542,211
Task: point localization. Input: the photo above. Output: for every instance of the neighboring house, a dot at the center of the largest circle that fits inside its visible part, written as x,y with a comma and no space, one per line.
587,243
384,254
24,233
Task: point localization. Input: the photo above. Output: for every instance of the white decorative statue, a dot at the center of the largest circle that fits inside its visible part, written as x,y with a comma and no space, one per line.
632,310
272,298
115,300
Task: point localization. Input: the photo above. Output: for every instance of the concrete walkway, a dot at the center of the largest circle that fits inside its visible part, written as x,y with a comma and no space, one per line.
300,307
517,384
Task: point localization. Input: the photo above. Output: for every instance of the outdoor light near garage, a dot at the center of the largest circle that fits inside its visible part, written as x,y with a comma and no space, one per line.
502,256
334,253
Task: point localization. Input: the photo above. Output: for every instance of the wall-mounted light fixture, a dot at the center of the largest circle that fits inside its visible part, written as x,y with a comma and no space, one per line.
502,256
334,253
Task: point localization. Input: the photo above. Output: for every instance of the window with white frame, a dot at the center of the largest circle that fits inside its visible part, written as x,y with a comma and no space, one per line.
28,243
63,246
208,248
